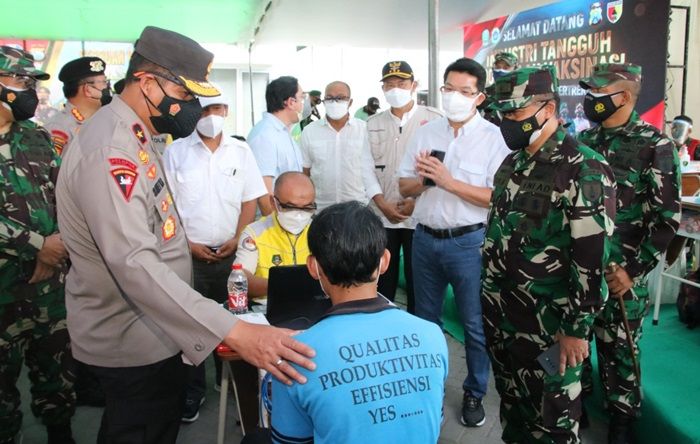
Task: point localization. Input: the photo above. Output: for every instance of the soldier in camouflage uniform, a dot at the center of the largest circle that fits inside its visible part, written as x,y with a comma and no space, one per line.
503,63
647,173
32,261
547,243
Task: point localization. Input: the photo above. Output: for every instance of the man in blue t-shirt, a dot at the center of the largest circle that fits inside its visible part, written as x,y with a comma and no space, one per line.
380,372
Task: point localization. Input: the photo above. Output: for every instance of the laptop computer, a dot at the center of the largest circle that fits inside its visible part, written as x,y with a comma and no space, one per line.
294,299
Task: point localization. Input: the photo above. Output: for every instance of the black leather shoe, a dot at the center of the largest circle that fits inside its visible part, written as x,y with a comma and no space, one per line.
621,430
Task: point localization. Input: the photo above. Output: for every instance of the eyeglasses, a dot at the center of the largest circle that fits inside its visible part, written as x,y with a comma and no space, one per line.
338,99
24,80
465,92
107,83
289,207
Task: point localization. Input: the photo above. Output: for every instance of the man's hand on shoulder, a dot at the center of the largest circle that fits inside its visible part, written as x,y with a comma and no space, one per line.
270,348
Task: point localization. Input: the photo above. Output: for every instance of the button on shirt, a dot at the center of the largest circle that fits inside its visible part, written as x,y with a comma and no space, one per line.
274,149
209,187
472,157
341,163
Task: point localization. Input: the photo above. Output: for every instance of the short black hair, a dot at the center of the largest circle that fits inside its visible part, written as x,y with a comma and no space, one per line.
469,66
70,88
684,118
280,90
347,240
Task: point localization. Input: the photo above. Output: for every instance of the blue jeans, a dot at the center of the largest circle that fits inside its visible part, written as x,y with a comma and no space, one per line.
455,261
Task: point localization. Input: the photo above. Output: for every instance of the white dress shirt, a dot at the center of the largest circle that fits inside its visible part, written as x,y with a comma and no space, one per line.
472,157
274,149
209,187
342,168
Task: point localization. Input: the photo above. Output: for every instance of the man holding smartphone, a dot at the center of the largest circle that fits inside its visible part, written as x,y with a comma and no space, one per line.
451,214
547,244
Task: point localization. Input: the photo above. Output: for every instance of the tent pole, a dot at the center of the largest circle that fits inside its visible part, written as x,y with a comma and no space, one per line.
433,45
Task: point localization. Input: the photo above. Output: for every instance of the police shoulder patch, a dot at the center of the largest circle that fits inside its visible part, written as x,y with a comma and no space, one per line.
59,139
125,178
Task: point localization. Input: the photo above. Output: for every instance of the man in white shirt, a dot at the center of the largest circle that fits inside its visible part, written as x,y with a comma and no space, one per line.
215,182
335,152
270,139
389,133
452,199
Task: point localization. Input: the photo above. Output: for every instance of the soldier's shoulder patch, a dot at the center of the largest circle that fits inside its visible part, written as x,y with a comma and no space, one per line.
59,139
249,244
125,178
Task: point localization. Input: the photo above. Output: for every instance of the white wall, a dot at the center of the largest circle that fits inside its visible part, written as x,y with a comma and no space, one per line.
675,46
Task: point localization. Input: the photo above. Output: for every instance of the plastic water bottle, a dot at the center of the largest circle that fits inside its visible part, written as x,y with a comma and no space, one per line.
237,290
684,158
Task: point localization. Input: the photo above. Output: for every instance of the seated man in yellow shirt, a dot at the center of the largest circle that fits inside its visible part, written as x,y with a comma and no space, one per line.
280,238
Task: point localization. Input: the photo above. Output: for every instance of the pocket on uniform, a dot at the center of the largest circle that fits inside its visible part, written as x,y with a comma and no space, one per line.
190,185
472,172
561,399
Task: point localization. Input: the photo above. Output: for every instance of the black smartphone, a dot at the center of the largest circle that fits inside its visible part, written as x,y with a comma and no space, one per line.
549,359
439,155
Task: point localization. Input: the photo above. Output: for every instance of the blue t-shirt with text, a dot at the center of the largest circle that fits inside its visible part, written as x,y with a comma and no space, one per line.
379,376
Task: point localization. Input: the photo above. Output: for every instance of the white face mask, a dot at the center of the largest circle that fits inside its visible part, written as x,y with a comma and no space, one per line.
398,97
336,110
211,125
306,109
294,221
457,107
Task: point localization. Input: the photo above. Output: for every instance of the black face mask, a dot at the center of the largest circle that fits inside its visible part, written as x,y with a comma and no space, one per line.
599,109
179,117
22,103
518,134
106,97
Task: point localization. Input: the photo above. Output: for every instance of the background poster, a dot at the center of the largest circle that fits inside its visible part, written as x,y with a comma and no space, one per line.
574,35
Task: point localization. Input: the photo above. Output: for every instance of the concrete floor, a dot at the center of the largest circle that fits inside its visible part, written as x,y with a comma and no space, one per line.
86,421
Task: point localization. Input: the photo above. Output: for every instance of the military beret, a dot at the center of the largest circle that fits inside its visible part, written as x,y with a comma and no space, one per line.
315,93
510,58
399,69
18,61
605,73
182,56
82,68
516,90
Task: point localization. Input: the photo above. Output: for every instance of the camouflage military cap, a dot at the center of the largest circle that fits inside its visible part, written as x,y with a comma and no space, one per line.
517,89
508,57
605,73
20,62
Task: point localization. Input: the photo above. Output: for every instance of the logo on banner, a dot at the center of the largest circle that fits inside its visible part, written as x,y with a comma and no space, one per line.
495,36
614,11
595,16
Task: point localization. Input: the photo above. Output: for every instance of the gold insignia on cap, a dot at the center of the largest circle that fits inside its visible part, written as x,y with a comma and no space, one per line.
394,66
97,66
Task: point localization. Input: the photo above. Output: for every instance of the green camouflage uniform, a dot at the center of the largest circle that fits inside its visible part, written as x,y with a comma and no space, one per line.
647,172
546,244
32,316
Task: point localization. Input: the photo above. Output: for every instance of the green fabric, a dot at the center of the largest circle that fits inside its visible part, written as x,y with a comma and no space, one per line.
671,376
671,382
211,21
